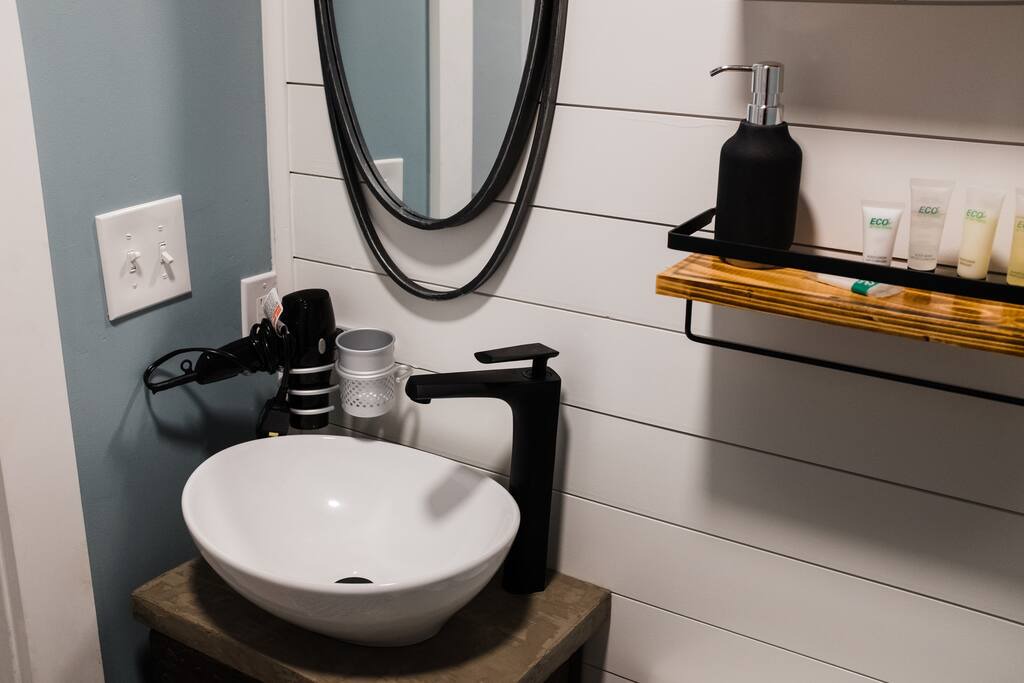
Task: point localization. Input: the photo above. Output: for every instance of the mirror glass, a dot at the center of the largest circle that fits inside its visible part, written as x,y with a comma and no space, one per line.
433,84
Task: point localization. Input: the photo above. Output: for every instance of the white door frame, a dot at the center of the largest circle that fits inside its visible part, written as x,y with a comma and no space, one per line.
275,91
450,50
47,612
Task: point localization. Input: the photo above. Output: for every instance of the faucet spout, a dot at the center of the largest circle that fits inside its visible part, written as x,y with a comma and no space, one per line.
485,383
533,393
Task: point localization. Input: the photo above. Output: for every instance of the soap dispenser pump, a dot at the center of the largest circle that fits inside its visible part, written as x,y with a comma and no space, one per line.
759,171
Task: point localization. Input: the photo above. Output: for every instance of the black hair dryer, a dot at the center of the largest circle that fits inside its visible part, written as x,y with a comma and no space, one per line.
299,344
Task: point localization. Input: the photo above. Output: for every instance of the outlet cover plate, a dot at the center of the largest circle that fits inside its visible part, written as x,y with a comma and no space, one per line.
393,172
253,290
149,230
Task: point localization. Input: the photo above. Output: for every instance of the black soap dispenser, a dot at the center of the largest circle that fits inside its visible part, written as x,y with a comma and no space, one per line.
759,172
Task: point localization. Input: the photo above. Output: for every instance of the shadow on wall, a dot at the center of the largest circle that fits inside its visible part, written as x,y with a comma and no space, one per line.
915,437
443,258
832,74
920,438
834,80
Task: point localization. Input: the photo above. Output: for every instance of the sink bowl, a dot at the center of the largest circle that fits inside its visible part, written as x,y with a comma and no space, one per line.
366,541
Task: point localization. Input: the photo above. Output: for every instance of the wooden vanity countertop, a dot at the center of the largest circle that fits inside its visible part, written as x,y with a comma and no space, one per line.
496,637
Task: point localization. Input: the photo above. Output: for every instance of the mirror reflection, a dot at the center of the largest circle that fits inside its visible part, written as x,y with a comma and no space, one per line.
433,84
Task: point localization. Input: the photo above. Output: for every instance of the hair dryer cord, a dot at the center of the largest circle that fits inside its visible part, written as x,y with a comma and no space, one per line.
188,374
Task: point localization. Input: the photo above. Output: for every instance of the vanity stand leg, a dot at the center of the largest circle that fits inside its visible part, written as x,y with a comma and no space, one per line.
575,664
173,662
571,671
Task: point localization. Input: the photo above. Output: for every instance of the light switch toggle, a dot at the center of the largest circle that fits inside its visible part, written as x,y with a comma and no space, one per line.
132,259
165,256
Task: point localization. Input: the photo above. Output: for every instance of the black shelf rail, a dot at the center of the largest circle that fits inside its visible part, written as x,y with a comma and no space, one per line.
943,280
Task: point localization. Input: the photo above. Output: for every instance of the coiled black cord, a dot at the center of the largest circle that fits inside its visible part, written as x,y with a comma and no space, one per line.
263,342
188,372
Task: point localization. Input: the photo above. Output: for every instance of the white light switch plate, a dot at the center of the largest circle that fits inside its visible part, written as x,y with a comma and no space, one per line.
155,234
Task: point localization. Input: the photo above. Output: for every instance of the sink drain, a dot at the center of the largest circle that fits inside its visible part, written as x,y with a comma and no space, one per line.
353,579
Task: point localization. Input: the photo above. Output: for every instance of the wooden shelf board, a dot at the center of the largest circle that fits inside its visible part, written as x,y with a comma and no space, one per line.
913,313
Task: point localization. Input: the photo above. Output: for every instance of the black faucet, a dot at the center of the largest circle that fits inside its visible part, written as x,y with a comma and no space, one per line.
533,394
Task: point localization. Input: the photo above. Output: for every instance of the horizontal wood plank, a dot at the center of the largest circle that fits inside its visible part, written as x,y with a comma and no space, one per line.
913,313
444,339
857,525
310,141
655,55
664,169
661,167
644,643
302,53
552,244
829,82
608,280
661,379
867,628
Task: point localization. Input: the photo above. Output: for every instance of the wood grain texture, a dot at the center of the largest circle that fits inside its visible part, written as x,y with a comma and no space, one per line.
497,637
913,313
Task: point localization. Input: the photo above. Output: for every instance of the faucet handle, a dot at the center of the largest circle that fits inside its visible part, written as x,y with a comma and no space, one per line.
538,353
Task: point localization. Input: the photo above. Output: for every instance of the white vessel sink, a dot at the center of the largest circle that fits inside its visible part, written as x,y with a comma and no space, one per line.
412,537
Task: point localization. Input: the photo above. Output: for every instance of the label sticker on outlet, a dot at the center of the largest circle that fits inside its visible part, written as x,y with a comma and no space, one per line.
272,308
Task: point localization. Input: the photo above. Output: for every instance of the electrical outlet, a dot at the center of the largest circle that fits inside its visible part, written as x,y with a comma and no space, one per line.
392,171
253,290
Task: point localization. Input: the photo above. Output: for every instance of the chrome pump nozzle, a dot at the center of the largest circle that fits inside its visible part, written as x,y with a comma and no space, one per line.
765,108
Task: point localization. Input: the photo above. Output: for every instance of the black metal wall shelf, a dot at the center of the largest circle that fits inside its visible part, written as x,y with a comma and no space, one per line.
937,307
944,279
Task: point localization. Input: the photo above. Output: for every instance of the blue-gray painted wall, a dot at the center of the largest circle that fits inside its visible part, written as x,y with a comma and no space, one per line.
135,100
384,46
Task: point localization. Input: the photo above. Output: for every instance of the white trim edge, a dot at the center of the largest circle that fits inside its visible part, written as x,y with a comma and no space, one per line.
49,614
451,105
275,89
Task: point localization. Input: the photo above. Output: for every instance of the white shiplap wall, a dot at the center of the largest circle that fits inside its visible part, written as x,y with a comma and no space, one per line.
757,520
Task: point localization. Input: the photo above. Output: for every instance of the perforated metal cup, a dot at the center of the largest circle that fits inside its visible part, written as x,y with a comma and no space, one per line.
365,351
371,395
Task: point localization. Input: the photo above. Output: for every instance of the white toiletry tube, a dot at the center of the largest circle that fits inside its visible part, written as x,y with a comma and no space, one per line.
929,202
981,216
1015,273
881,222
865,287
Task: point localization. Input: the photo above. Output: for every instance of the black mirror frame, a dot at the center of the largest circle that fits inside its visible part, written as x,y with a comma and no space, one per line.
535,105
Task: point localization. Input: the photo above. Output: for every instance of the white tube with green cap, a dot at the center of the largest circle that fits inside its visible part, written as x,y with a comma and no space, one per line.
881,223
864,287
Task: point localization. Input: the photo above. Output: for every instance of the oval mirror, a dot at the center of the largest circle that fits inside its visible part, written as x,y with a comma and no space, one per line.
432,103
